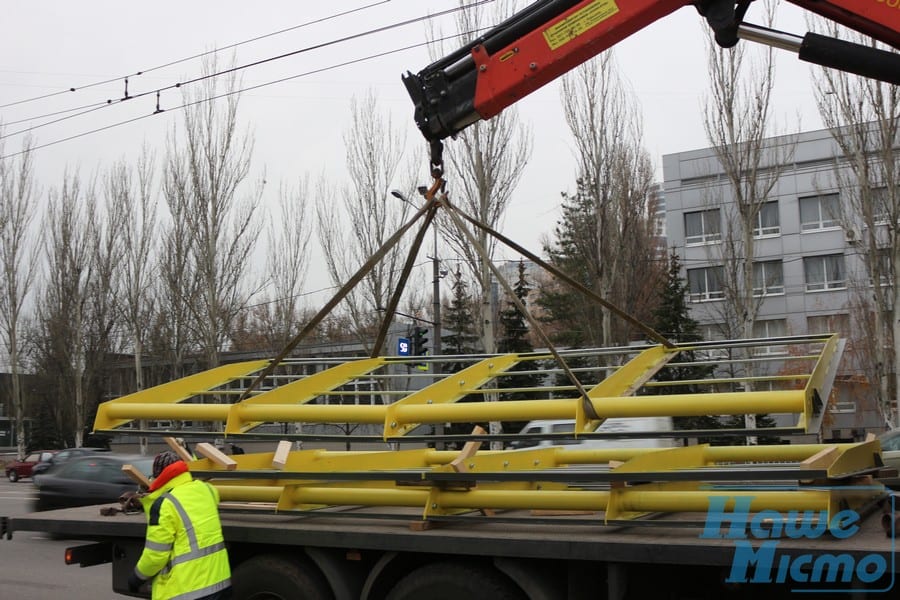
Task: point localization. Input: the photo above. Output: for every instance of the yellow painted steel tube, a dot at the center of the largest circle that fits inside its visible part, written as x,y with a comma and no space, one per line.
607,407
776,453
636,500
312,413
336,496
686,405
524,500
249,493
521,410
189,412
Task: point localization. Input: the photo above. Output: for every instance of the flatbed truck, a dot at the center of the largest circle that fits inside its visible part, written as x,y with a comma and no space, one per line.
537,522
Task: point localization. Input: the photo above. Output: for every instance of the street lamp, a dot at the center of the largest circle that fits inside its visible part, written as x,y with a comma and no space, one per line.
435,283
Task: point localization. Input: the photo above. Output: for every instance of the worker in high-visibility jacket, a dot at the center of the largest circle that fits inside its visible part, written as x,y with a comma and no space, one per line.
184,551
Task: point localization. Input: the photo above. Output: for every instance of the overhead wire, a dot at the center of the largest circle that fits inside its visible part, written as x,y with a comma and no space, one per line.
195,56
157,91
232,92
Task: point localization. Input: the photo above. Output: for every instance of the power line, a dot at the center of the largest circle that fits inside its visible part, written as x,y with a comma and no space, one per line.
158,91
202,54
231,93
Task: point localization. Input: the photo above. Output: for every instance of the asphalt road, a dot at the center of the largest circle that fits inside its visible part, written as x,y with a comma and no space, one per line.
32,566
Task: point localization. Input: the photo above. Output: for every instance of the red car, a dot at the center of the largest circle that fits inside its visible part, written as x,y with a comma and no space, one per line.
18,469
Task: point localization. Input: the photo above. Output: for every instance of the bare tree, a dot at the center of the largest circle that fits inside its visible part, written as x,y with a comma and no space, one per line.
737,121
864,118
483,165
375,151
62,307
173,334
287,262
205,174
133,205
18,257
615,180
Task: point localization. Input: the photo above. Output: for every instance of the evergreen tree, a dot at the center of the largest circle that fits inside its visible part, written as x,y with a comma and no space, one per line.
673,320
514,339
459,333
574,322
459,336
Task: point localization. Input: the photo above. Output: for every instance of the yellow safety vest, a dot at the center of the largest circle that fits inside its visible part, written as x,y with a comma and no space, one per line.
184,551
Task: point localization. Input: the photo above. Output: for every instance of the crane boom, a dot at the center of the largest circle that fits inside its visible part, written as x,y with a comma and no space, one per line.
550,37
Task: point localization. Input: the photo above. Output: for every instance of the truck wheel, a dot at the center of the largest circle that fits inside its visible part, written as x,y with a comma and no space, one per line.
273,577
452,581
13,476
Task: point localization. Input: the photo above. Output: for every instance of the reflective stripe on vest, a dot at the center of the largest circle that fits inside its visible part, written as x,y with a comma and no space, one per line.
210,589
158,546
195,550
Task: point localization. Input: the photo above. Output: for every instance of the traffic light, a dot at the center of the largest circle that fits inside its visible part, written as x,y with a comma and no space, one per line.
419,344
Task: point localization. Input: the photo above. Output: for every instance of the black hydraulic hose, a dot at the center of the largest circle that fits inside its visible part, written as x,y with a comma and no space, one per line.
852,58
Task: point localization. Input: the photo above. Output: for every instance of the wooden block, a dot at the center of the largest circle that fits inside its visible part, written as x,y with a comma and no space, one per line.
421,525
178,449
458,464
281,455
214,454
135,474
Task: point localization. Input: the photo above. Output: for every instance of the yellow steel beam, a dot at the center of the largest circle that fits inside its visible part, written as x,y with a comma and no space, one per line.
302,390
624,381
450,389
617,504
854,458
112,415
666,459
122,413
174,391
819,384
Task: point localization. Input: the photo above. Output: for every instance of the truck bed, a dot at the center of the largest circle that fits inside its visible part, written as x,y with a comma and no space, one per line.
674,540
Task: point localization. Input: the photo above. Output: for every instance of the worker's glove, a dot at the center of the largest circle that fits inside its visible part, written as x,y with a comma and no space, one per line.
131,502
134,582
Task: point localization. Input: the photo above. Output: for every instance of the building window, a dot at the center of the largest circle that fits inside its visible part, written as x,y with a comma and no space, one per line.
881,268
712,332
820,212
824,272
767,220
705,284
839,324
768,278
770,328
702,227
883,205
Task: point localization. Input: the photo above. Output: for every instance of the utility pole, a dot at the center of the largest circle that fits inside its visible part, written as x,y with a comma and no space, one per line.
436,306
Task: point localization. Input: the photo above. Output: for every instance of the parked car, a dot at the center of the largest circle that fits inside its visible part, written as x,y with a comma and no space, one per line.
94,479
18,469
890,448
62,457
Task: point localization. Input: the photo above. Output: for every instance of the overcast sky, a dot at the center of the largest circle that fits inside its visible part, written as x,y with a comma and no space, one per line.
53,45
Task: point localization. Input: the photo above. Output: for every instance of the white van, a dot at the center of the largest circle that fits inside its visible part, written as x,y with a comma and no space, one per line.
618,425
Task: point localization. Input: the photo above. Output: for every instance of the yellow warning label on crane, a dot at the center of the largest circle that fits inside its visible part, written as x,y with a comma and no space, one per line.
579,22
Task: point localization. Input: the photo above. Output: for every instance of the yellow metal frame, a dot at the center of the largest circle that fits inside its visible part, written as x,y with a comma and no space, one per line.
640,479
614,396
